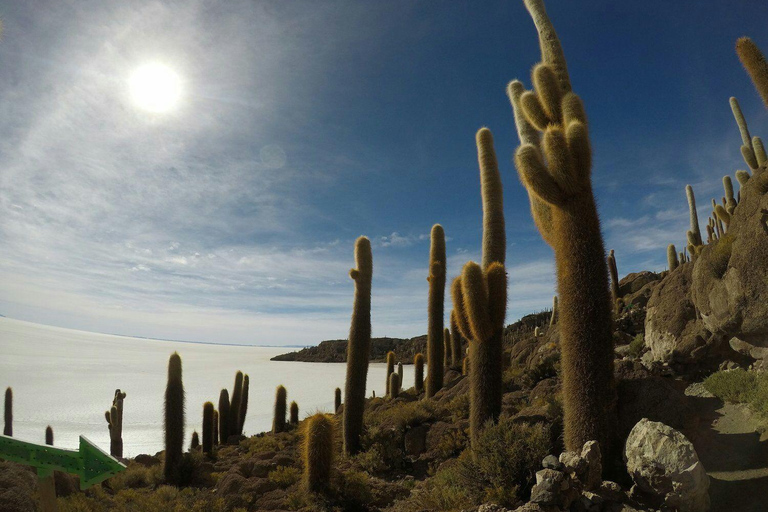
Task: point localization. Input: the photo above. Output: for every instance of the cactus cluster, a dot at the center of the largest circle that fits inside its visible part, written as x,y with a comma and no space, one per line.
114,418
435,334
358,347
174,421
555,169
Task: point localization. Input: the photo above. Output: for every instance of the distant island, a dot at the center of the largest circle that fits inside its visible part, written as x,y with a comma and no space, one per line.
335,351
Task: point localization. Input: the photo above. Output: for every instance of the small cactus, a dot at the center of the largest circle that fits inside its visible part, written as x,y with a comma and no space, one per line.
759,149
224,429
8,428
278,423
194,444
436,280
730,201
174,421
672,261
390,369
694,217
358,348
215,428
418,373
114,418
234,406
553,318
294,413
336,400
754,62
394,385
208,427
49,435
747,148
318,452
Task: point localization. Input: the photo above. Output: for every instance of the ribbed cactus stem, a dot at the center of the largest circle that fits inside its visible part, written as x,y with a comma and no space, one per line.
336,400
224,427
549,43
730,201
49,435
759,149
741,122
694,216
672,261
494,234
234,406
208,427
390,369
281,406
294,413
394,385
8,427
553,318
754,62
174,421
435,310
742,177
244,403
358,348
318,452
418,372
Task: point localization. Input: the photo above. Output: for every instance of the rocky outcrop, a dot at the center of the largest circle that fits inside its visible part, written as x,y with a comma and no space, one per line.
664,464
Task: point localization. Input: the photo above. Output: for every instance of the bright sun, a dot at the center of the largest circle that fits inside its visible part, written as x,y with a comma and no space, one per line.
155,87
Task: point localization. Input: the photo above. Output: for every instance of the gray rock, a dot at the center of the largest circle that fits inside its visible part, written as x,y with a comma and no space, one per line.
551,462
663,462
549,486
573,463
591,454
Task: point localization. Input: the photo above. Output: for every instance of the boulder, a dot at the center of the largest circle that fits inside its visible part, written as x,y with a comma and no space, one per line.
662,462
636,281
591,455
549,487
730,279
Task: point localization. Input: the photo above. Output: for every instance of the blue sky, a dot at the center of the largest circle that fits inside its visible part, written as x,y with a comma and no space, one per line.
302,125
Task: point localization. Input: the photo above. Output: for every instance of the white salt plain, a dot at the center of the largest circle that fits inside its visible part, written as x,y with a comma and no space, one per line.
67,378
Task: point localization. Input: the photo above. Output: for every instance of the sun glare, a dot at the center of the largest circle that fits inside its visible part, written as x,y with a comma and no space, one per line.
155,87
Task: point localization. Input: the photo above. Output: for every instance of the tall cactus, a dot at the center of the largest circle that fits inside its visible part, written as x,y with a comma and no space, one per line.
480,297
400,372
614,271
114,418
456,352
754,62
672,261
49,435
747,148
8,427
693,217
418,372
358,348
435,311
278,422
553,317
208,428
318,452
390,369
336,400
244,403
568,221
195,442
224,427
294,413
174,421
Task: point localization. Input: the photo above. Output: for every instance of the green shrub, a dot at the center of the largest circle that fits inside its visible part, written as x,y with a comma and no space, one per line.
732,385
637,345
284,476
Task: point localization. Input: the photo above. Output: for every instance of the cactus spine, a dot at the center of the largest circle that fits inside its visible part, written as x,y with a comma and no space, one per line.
244,404
114,418
394,385
174,421
278,423
754,62
336,400
224,430
49,435
436,301
318,452
8,427
358,348
208,427
553,318
418,372
294,413
573,231
672,261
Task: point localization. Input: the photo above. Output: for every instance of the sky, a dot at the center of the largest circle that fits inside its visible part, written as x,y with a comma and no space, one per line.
301,125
